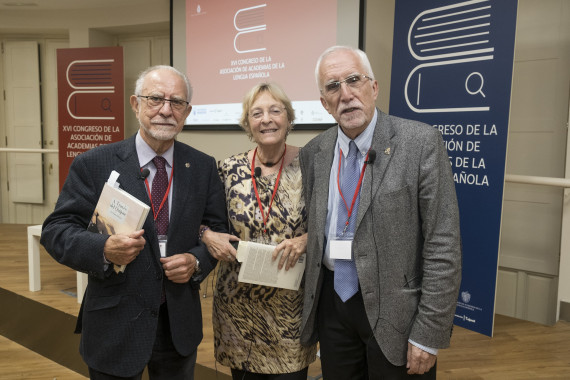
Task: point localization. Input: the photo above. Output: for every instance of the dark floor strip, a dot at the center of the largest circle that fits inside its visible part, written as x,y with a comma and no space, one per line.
42,329
49,332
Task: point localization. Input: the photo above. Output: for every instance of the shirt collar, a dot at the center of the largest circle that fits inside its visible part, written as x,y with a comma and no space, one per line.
145,153
363,141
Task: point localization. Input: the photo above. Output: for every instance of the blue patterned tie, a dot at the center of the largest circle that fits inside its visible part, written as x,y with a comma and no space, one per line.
345,275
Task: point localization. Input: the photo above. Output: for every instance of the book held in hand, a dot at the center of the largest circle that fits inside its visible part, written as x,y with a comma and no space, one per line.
258,267
117,212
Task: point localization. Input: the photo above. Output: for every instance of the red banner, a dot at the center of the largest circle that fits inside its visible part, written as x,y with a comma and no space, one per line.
91,101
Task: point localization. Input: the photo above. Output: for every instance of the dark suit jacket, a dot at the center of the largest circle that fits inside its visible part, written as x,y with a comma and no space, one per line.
118,319
407,243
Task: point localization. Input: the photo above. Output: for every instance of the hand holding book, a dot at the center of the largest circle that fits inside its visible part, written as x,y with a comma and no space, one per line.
122,216
122,249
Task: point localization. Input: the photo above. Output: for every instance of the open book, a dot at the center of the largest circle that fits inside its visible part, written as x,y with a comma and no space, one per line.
117,212
257,267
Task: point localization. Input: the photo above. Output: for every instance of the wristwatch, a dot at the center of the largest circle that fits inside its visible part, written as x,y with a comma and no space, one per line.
198,270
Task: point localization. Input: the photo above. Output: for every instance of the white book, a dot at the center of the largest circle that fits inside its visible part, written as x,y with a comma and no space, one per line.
117,212
257,267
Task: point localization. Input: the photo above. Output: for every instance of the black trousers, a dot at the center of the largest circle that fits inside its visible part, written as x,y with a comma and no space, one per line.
349,350
165,362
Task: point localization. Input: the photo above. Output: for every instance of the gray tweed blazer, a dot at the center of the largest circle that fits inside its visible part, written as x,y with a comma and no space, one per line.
407,243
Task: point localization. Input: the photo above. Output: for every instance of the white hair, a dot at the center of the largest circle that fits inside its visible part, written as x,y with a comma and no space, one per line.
143,74
364,61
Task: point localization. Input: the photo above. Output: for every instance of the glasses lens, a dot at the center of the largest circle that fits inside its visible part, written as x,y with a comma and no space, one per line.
332,87
178,104
155,101
353,81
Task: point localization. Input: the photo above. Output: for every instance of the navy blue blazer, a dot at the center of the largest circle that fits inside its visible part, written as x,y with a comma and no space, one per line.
118,318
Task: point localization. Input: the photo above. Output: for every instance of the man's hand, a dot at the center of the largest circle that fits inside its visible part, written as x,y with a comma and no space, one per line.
291,250
419,361
179,268
122,249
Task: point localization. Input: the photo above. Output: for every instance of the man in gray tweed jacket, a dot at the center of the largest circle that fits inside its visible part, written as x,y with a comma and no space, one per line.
406,245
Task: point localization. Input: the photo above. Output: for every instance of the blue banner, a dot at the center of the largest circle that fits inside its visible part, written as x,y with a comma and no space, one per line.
452,68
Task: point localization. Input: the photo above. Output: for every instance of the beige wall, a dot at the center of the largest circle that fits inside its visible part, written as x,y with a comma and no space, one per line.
53,29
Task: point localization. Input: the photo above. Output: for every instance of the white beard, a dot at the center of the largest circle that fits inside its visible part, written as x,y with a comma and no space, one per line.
159,132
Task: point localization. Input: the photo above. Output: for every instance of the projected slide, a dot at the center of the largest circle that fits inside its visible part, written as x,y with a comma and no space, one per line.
233,45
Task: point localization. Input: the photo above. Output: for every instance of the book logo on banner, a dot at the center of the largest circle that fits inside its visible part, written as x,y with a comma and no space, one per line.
88,78
450,44
90,101
243,19
452,69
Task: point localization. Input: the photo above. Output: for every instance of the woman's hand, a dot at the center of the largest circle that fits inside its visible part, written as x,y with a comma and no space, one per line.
219,245
290,250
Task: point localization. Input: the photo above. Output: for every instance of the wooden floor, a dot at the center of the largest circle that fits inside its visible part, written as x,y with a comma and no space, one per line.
519,349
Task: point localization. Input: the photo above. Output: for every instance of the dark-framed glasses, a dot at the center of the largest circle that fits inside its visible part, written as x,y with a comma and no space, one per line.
274,112
353,81
158,102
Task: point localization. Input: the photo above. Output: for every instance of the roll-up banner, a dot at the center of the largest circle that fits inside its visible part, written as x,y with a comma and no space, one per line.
452,68
90,101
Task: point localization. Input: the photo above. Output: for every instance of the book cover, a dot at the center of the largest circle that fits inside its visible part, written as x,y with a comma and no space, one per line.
117,212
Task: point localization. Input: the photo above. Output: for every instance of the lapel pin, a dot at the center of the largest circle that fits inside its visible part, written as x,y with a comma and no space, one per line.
187,164
387,151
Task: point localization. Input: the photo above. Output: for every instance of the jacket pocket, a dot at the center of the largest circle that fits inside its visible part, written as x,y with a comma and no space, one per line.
101,303
400,308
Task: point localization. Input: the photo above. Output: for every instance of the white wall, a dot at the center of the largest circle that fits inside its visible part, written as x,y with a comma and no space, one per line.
531,228
78,23
564,283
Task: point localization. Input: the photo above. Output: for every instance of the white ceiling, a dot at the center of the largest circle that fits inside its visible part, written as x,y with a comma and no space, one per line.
29,5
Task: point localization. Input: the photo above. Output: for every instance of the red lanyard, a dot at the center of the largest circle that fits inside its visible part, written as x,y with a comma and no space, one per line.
154,212
356,191
265,217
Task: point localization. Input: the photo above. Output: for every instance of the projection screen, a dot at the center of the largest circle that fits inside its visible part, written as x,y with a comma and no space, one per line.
227,47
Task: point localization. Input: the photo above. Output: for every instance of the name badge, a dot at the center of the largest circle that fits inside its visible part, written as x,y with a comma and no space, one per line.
341,249
162,245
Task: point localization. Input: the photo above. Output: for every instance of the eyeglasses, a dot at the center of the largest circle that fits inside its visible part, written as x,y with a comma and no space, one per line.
274,112
353,81
158,102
